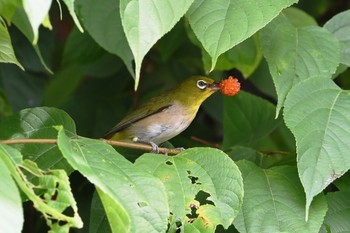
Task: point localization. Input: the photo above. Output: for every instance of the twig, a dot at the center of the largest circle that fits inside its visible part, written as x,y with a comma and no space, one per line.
196,139
137,146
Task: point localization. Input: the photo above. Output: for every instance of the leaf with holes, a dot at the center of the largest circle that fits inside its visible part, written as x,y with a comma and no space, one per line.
50,192
38,123
274,201
297,53
145,22
220,25
339,25
318,113
138,199
204,187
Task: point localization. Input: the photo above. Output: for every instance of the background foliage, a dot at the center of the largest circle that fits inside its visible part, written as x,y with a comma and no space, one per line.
68,72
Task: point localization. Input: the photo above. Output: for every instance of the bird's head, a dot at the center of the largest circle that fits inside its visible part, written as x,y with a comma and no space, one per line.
196,89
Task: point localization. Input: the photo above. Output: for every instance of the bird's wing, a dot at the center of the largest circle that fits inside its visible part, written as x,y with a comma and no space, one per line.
133,118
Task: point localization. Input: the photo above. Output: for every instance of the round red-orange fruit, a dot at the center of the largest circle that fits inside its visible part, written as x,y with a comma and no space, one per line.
230,86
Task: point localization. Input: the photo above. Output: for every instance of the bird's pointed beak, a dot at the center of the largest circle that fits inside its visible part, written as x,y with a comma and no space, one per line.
215,86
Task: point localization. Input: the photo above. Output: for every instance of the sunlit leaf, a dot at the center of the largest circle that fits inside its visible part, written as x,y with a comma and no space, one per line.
296,53
36,12
339,25
221,24
145,22
139,199
10,200
203,186
318,113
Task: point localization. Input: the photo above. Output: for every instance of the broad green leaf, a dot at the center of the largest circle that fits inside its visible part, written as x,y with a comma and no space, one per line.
318,113
140,197
8,8
221,24
338,214
247,119
119,221
274,201
10,200
102,21
7,54
92,60
296,53
71,9
339,25
245,57
298,17
38,123
22,22
98,218
203,185
145,22
36,12
50,192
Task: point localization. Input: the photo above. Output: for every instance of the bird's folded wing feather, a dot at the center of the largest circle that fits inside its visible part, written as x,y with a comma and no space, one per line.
133,118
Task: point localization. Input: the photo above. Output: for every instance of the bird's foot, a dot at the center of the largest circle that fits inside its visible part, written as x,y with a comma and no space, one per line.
155,148
180,148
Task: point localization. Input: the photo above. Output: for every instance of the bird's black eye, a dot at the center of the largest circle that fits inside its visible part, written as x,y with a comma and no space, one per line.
201,84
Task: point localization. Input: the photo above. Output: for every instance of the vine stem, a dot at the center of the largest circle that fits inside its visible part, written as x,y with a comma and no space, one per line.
131,145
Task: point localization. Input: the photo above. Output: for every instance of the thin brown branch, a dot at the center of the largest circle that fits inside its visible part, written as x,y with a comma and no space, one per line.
204,142
137,146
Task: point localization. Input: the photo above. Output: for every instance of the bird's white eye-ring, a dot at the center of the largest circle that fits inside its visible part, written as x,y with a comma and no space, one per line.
201,84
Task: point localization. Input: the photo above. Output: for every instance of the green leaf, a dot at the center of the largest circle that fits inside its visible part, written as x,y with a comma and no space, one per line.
338,214
7,54
274,202
52,186
10,201
247,119
119,220
140,197
295,54
298,17
98,218
145,22
102,21
36,12
70,6
219,25
245,57
38,123
200,180
8,8
318,113
22,22
339,25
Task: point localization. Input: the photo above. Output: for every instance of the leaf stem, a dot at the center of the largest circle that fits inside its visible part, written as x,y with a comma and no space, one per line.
137,146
